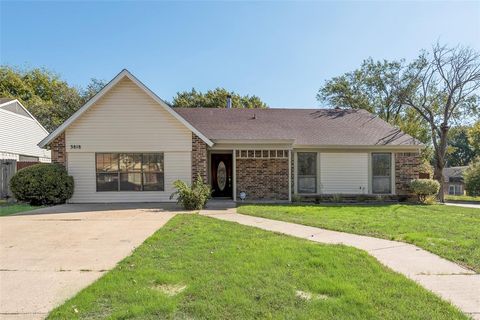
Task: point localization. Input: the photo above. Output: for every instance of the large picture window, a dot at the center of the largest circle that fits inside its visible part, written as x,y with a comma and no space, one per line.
307,172
382,172
129,171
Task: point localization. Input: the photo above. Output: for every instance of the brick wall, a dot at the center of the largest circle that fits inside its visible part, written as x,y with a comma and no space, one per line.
199,158
263,179
407,166
59,154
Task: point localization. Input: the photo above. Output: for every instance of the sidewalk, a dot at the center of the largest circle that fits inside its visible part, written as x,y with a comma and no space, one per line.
450,281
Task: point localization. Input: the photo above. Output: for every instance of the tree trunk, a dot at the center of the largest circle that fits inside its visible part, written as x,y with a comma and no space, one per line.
438,175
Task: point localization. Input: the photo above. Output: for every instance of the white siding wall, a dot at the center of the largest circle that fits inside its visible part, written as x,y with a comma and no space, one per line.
177,165
126,119
344,173
20,135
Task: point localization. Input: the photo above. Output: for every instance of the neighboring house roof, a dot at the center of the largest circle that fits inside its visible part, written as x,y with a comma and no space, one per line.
454,174
19,130
124,73
308,127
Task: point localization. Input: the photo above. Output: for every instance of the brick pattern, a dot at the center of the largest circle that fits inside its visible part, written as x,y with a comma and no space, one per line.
262,179
199,158
58,148
406,169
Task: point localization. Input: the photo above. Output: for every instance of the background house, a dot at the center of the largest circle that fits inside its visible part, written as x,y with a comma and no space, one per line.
19,135
454,183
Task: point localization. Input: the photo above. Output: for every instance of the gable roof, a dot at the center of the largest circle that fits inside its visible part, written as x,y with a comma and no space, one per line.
15,106
123,74
307,127
454,172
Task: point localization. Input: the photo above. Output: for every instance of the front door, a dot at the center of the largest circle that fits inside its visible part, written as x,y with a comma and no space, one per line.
222,180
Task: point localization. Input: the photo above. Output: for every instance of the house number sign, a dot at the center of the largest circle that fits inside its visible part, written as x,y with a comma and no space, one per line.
75,146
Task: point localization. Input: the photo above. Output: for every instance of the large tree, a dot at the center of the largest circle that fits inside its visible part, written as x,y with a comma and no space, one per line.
376,87
215,99
442,86
49,98
474,137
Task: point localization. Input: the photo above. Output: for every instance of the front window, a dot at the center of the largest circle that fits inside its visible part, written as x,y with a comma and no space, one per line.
382,173
129,171
307,172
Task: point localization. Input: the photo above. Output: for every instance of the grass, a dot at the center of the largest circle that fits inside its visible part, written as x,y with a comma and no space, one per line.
11,208
450,232
462,198
197,267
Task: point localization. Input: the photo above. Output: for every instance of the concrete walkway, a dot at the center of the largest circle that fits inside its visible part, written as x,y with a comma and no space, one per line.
48,255
450,281
465,205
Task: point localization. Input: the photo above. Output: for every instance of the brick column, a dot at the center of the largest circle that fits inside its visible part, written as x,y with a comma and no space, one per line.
199,158
407,165
59,154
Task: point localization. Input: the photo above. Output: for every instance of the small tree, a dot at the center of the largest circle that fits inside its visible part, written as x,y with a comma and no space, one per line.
193,197
424,188
472,179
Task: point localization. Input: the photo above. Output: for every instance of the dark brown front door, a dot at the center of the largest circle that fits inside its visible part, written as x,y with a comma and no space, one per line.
222,175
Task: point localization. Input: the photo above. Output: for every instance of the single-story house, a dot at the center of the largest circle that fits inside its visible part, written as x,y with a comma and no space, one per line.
454,184
126,145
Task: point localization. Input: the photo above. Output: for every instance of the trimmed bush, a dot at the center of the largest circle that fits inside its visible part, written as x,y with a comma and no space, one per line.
194,197
425,188
42,184
472,179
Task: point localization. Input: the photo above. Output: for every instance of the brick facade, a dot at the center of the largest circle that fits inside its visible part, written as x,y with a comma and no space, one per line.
58,148
407,166
199,158
262,179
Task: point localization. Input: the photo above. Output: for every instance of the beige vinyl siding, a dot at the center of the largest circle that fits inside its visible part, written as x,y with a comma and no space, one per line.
20,134
126,119
81,165
345,173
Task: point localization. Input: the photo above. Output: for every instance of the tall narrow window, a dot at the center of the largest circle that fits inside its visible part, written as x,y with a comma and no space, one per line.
307,172
129,172
381,172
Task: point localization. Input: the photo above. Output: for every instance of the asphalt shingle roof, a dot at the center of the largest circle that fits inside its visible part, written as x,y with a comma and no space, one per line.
326,127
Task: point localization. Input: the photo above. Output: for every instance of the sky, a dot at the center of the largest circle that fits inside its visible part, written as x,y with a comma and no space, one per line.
280,51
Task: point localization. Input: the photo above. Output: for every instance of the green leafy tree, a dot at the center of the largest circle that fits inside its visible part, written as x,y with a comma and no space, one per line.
459,151
474,137
376,87
49,98
215,99
472,179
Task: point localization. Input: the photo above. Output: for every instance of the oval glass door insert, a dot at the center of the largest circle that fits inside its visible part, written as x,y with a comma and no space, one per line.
221,176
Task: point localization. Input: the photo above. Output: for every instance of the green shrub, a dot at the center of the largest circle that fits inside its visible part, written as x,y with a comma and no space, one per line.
472,179
194,197
42,184
425,189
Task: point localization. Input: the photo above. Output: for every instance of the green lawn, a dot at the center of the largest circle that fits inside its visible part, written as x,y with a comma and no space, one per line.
462,198
229,271
11,208
451,232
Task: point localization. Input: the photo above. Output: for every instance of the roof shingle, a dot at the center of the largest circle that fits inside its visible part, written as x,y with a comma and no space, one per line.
325,127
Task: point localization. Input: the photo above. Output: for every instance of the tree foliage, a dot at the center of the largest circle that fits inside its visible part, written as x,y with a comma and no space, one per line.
472,179
49,98
459,151
474,137
216,98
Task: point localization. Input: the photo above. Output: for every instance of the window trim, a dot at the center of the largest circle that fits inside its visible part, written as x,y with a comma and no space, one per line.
141,172
298,175
391,172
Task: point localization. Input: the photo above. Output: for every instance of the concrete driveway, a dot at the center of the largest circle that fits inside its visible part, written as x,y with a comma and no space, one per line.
48,255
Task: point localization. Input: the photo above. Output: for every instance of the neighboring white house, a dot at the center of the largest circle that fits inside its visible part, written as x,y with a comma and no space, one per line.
20,133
